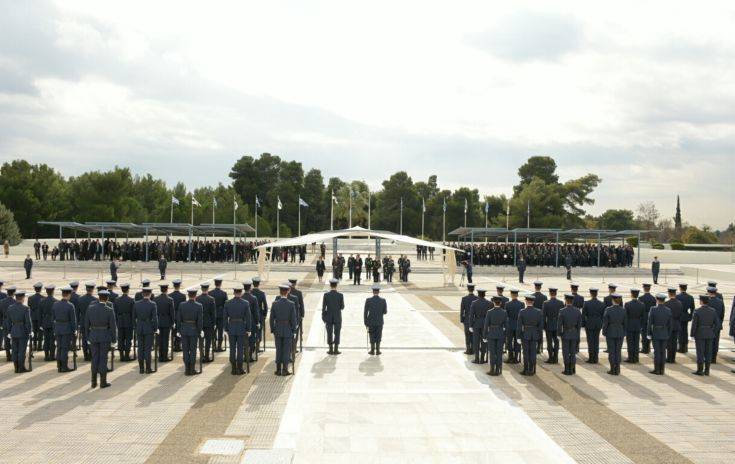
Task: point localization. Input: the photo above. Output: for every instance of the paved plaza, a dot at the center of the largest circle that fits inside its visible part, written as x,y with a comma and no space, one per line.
420,401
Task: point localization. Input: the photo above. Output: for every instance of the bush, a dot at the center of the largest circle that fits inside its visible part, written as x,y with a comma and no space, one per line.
632,241
8,227
677,246
657,246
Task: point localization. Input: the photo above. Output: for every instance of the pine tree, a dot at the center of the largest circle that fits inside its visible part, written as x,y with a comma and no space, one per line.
677,217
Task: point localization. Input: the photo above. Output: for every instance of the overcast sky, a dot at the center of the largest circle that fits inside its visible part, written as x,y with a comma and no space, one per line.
640,93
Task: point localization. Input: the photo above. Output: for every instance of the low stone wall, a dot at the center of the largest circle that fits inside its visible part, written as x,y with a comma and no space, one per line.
686,257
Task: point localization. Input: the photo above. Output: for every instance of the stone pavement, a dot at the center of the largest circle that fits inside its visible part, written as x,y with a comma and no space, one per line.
420,400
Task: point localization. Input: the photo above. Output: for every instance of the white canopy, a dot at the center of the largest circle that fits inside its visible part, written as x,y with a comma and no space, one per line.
353,232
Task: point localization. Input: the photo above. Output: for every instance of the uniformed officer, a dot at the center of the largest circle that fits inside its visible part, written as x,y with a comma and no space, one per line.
521,269
145,318
263,306
123,308
493,331
190,323
687,302
478,311
111,289
162,264
284,322
34,302
220,298
677,313
375,309
613,328
608,300
649,301
499,289
464,317
570,326
659,331
530,324
178,297
550,310
209,315
635,316
65,328
145,283
19,328
655,269
513,308
333,303
592,312
114,266
238,323
100,325
578,299
166,321
718,305
713,284
705,322
4,305
538,302
82,305
255,316
295,294
47,321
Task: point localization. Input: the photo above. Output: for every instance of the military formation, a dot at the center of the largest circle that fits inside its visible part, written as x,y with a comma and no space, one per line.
372,268
545,254
494,325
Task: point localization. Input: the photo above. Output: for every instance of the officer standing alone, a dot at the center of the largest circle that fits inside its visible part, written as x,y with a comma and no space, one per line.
333,303
373,316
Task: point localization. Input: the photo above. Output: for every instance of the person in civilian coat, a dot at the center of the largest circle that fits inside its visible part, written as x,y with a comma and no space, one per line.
635,316
659,331
464,317
101,327
513,308
478,310
19,328
718,305
333,303
190,321
284,322
493,331
166,321
613,328
570,326
592,312
145,318
373,317
238,323
530,324
705,322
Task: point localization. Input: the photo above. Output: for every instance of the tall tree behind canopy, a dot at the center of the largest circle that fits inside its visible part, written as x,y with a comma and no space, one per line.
312,218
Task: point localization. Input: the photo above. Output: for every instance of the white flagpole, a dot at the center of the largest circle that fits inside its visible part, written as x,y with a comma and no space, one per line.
172,210
214,205
350,226
401,215
444,221
331,218
369,195
278,221
528,219
299,216
256,216
234,235
423,212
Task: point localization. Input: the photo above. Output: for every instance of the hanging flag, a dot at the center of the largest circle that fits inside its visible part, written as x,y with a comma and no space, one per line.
334,199
444,206
257,202
465,205
194,201
423,205
214,201
303,203
487,207
234,201
174,200
280,206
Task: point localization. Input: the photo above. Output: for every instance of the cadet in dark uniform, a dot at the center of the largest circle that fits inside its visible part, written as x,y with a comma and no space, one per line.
300,310
375,308
111,289
713,284
649,301
478,311
19,327
521,269
208,319
677,313
166,321
178,298
28,266
570,326
123,308
100,325
608,300
333,303
538,302
503,299
493,332
613,328
578,299
145,283
513,308
254,307
145,317
464,317
659,331
655,269
320,267
220,298
82,305
592,312
718,305
238,324
190,322
687,302
34,302
284,322
635,317
47,320
4,305
162,264
65,328
114,266
263,306
550,310
530,324
568,262
704,324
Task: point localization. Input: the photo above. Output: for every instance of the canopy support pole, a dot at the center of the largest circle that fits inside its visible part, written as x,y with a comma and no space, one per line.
557,250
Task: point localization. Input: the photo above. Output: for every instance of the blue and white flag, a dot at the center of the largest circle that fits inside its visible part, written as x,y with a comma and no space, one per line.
280,206
423,205
444,206
303,203
257,202
487,207
194,201
214,201
334,199
465,205
174,200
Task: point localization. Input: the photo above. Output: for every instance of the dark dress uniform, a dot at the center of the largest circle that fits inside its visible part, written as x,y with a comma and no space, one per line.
493,331
166,320
521,270
530,324
538,302
4,305
162,264
513,308
102,331
190,322
592,312
47,321
719,307
256,322
83,304
375,308
238,322
220,298
478,311
263,306
145,317
123,307
649,301
464,319
677,313
613,328
655,269
178,298
704,324
570,326
209,315
19,327
65,324
333,303
284,322
34,303
635,317
687,302
659,331
550,310
298,297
